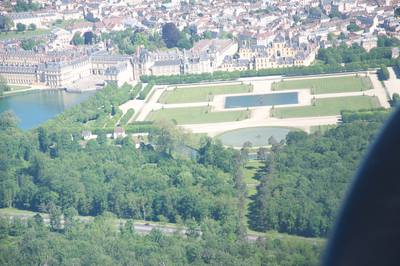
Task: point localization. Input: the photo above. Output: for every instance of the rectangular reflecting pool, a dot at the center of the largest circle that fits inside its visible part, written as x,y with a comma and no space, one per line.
261,100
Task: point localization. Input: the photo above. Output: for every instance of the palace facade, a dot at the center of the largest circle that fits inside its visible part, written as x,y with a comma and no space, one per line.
60,69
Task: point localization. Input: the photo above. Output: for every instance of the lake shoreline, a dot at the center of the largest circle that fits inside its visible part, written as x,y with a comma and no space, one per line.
32,90
35,106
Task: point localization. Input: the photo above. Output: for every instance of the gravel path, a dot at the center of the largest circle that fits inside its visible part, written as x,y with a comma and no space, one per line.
304,123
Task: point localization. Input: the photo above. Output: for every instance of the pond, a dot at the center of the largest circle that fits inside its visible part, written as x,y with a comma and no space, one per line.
34,108
261,100
258,136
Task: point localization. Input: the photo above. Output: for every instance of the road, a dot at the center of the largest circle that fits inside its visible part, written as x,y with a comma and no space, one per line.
393,84
151,103
140,227
380,91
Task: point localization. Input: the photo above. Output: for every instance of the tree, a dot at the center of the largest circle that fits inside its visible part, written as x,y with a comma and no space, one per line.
32,27
207,35
342,36
113,111
315,12
28,44
395,99
38,220
353,27
21,27
90,17
70,217
262,154
385,41
335,13
170,34
383,73
55,217
6,23
77,39
165,136
295,137
102,139
3,85
299,173
44,140
296,18
88,37
8,120
397,12
272,141
184,42
140,39
24,6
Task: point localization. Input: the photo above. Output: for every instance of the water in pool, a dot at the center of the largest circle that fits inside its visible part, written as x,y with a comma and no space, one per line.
261,100
258,136
34,108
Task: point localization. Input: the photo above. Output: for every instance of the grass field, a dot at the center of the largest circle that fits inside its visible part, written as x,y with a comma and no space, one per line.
249,172
328,106
22,35
201,93
196,115
326,85
65,23
252,169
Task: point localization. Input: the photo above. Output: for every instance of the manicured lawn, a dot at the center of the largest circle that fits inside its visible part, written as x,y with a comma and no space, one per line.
201,93
326,85
22,35
65,23
249,173
328,106
196,115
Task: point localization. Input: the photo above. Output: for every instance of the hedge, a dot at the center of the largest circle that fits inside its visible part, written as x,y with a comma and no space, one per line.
287,71
143,94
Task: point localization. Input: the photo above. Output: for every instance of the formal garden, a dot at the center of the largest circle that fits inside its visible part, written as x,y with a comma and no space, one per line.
327,107
197,115
326,85
201,93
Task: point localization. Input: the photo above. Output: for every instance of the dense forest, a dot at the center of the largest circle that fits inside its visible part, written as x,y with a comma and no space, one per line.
307,178
42,170
98,243
55,172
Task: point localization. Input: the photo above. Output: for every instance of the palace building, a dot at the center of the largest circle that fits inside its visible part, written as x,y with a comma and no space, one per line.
60,69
